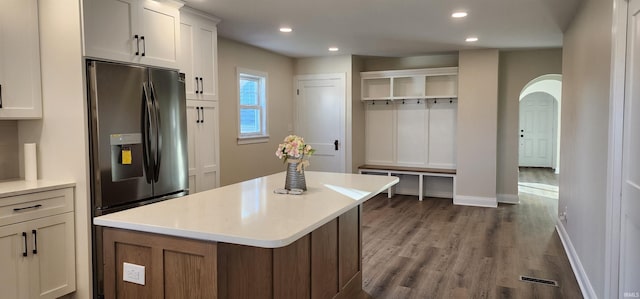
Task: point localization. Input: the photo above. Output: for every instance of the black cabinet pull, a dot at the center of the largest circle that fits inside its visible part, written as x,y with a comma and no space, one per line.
198,110
24,238
137,44
26,208
521,135
202,108
35,241
0,96
144,46
197,86
201,85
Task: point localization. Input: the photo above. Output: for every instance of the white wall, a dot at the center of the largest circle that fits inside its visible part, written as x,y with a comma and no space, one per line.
242,162
477,127
517,68
585,121
61,135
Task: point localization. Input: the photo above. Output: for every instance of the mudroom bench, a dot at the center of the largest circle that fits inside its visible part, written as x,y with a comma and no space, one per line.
400,170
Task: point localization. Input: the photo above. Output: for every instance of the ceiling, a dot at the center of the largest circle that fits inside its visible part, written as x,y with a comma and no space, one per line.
393,28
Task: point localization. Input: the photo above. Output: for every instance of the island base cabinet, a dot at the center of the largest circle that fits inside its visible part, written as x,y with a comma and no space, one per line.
174,267
323,264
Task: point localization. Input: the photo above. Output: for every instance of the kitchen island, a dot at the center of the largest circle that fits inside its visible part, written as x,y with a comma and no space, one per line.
245,241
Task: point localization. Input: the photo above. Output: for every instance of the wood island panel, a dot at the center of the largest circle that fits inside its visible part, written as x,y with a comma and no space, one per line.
323,264
175,267
324,261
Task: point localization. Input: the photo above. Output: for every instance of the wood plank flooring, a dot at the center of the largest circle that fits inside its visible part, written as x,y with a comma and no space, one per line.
433,249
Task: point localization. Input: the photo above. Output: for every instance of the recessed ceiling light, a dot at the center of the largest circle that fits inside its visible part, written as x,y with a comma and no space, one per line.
471,39
333,49
459,14
286,29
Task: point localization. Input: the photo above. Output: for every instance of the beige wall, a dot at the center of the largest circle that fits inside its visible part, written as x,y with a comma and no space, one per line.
242,162
61,135
340,64
586,64
9,168
517,68
412,62
357,116
477,127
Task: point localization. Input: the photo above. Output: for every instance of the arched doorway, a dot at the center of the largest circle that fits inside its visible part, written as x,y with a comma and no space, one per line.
539,143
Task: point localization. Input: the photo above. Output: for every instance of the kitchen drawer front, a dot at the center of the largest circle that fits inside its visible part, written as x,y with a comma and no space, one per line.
30,206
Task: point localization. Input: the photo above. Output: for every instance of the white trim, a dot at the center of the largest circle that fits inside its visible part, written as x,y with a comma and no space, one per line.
508,198
614,157
476,201
581,276
253,139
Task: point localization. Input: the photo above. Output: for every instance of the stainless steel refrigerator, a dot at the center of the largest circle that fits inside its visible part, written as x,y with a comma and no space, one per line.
138,140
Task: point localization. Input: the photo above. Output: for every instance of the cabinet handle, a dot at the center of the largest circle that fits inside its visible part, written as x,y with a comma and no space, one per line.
202,108
0,96
144,46
137,44
24,238
201,85
35,241
196,86
26,208
198,119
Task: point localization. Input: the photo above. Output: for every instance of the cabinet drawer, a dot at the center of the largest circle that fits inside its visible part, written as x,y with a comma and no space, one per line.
20,208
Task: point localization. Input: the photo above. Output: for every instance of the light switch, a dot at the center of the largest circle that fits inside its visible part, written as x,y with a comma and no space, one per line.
133,273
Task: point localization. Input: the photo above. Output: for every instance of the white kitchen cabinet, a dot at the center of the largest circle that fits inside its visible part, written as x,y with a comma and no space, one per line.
199,52
203,146
136,31
20,90
37,250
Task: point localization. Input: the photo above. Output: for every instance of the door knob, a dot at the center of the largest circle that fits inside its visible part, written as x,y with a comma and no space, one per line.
335,144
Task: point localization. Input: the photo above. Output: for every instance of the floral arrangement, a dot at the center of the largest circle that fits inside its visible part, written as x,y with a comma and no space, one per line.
295,150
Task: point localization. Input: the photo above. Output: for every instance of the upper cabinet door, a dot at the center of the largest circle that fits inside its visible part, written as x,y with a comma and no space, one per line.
20,91
136,31
199,39
188,54
110,27
161,34
207,54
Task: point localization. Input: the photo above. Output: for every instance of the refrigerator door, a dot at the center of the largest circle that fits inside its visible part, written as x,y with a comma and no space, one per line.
171,164
119,154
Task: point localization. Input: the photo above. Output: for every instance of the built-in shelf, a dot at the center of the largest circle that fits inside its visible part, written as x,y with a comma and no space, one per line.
431,83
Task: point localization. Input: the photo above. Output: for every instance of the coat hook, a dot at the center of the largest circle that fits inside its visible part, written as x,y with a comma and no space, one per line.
450,101
418,101
373,102
402,101
387,102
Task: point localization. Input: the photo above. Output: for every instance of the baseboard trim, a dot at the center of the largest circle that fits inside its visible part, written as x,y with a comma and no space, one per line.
475,201
581,276
508,198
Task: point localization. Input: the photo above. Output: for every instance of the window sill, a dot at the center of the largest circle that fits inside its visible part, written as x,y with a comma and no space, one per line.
253,139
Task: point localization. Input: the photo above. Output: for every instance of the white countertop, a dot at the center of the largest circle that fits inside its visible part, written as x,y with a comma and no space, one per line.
13,188
249,213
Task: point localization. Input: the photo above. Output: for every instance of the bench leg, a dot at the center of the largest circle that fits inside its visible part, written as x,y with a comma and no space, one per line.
390,190
420,188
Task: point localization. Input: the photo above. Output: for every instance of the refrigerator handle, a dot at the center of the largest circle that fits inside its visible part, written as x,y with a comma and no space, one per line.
158,134
146,131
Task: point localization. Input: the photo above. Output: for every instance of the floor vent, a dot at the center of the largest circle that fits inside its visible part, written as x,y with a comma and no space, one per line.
539,280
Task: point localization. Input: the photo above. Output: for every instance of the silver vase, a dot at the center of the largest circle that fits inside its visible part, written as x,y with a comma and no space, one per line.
295,178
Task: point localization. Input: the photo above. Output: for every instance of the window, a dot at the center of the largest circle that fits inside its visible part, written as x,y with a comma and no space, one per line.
252,106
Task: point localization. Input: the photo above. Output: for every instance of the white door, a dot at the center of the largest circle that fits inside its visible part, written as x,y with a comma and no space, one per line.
536,130
629,278
320,119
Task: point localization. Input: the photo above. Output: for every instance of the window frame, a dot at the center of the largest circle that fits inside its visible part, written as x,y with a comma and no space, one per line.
263,79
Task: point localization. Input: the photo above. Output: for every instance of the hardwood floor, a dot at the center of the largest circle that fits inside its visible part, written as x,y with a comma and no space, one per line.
433,249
